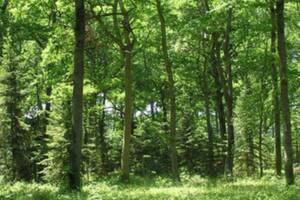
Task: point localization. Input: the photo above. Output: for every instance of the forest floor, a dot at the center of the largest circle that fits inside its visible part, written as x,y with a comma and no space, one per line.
192,188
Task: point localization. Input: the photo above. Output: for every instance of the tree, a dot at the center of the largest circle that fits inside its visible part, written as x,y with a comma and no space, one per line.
18,137
210,134
170,92
275,92
127,56
77,99
289,172
228,92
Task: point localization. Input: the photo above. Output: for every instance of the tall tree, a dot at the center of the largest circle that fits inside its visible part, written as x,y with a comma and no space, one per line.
77,99
289,172
19,138
171,91
216,63
209,128
228,92
123,36
275,92
126,51
101,137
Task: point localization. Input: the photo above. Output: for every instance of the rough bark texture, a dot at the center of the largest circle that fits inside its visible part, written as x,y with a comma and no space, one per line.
289,173
171,92
77,99
275,93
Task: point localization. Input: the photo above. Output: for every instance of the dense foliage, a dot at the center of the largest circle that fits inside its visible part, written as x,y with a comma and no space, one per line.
207,88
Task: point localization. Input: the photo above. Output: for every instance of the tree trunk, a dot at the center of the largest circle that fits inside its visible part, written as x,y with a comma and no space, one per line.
102,140
249,133
210,144
128,117
219,96
127,56
289,173
228,92
19,137
275,94
164,110
171,92
218,89
77,99
260,145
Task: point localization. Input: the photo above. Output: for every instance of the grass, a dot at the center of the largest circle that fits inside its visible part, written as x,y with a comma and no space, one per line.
191,188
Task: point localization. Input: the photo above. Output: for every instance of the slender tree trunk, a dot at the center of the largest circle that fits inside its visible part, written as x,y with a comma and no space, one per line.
249,133
164,110
127,56
229,95
260,133
218,95
152,111
297,144
171,92
275,94
250,163
211,169
289,172
77,100
102,140
128,118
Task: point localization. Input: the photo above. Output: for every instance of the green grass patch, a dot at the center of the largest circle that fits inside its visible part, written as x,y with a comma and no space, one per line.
191,188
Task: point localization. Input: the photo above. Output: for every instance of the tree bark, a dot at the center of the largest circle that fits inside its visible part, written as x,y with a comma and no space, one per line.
127,56
209,129
19,137
289,172
102,140
128,118
275,93
249,132
228,92
260,134
77,99
164,110
171,92
219,96
215,53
